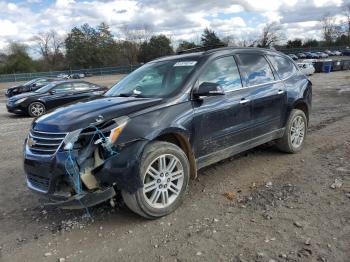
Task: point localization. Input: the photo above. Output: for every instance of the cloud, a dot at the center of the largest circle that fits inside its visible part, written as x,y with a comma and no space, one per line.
181,19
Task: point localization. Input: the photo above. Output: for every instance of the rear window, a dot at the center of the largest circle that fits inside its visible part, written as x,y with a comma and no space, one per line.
284,67
255,69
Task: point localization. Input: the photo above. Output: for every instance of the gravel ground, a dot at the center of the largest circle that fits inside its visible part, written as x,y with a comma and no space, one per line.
261,205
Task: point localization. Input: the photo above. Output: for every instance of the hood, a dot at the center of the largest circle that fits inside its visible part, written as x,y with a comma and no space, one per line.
13,87
80,115
22,95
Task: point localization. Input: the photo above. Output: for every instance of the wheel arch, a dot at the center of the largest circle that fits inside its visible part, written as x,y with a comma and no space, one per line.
303,106
182,141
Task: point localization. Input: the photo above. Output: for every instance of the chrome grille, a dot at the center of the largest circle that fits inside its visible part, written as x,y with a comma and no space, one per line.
45,143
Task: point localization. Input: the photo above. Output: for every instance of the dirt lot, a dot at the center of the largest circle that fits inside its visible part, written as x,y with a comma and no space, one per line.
278,207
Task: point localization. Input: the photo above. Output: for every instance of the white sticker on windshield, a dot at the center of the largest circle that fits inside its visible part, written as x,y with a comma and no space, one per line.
186,63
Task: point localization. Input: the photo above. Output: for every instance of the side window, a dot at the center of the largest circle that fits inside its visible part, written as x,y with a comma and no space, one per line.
81,86
62,88
255,69
283,66
222,71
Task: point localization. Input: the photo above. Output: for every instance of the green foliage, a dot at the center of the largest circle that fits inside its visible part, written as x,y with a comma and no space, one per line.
156,47
184,45
18,60
89,47
209,38
296,43
311,43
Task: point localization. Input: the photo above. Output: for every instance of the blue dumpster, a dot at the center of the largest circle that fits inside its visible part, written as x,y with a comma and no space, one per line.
327,66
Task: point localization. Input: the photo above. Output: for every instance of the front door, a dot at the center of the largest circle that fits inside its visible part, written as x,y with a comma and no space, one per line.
221,121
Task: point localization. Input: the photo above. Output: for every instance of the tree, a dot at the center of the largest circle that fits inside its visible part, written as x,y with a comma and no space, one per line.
347,21
209,38
270,35
108,51
49,46
330,30
156,47
129,50
184,45
134,38
296,43
311,43
89,47
18,60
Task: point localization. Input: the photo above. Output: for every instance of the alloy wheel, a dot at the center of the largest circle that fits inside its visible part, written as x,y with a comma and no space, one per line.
297,131
163,181
37,109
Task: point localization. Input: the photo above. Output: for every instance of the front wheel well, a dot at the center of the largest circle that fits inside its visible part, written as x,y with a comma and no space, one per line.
303,107
182,142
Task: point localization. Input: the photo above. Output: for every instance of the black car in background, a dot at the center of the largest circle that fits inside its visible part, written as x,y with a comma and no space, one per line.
154,129
32,85
294,57
51,96
346,52
301,55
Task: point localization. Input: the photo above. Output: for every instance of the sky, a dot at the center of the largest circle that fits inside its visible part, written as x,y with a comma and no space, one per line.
20,20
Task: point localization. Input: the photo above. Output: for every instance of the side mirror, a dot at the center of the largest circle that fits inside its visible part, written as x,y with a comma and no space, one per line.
52,92
209,89
34,85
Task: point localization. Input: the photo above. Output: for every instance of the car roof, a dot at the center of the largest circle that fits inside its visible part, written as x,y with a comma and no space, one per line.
222,50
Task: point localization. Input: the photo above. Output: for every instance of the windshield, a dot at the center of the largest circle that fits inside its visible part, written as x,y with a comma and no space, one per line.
158,79
46,88
30,82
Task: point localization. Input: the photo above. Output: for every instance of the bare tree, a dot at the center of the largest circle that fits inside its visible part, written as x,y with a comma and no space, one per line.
133,39
347,20
330,29
271,34
49,45
138,34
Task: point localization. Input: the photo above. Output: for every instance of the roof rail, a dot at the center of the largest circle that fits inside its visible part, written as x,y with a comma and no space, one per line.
200,48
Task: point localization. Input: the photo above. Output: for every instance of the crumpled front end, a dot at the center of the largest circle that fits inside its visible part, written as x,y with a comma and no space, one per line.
82,168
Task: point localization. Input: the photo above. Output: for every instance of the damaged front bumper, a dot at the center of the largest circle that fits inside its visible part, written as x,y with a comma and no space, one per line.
82,200
47,175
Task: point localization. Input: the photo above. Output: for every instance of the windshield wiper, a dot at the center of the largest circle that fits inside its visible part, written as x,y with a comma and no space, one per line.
131,94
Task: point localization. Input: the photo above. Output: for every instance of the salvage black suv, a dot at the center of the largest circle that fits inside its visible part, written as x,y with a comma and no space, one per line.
151,132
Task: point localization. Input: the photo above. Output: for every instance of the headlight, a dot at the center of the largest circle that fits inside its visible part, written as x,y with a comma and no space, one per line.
20,100
115,132
71,138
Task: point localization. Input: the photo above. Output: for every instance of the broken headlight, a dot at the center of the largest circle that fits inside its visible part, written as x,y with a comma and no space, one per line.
109,130
116,131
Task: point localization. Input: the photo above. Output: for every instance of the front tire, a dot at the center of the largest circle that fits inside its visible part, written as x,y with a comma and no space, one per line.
36,109
164,172
295,133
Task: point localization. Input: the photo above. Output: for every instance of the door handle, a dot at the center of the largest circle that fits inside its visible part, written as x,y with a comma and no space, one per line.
280,92
243,101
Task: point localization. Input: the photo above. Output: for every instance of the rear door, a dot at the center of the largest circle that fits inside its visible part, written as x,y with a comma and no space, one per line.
267,93
224,120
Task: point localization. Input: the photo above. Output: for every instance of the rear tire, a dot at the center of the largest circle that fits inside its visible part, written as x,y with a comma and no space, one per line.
294,134
164,172
36,109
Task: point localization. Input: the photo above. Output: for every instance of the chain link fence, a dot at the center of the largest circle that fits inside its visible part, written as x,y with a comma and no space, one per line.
18,77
